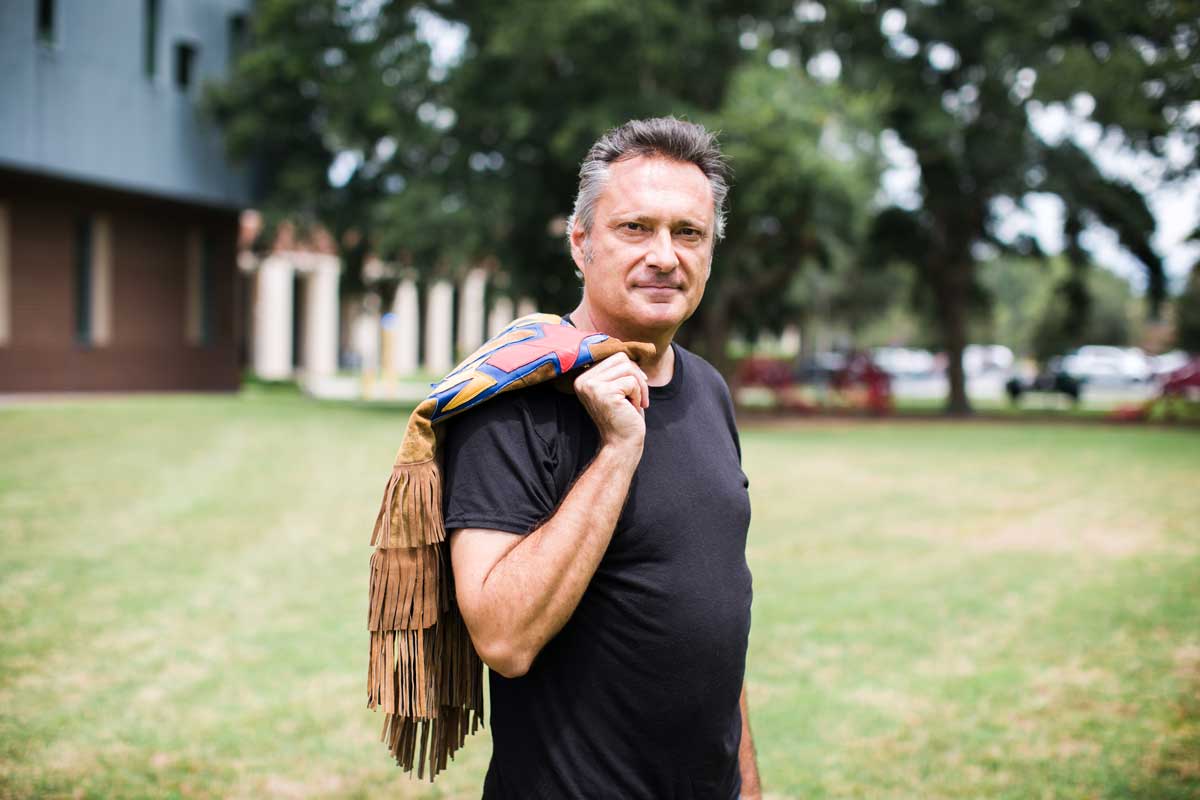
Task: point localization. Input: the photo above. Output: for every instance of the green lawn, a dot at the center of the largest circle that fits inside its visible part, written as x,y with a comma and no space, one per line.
941,609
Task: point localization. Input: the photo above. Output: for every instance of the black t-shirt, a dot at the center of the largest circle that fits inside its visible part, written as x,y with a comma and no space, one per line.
637,696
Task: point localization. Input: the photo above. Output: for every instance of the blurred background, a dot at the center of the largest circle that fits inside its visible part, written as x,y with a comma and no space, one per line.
353,194
253,231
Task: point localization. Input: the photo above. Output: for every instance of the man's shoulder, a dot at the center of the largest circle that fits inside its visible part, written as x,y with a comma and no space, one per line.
532,415
705,374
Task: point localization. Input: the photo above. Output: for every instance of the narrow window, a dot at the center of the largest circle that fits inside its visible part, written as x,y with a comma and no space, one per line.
45,21
102,280
93,281
151,42
237,37
200,295
83,281
185,57
206,290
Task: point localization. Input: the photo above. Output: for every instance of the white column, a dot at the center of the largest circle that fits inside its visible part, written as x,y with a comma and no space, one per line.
5,279
321,320
471,311
525,307
789,341
273,320
439,324
406,344
102,281
365,333
500,315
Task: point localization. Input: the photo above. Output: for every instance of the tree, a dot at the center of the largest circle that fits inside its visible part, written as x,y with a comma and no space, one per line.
323,82
482,166
539,83
806,167
1106,320
1187,314
958,80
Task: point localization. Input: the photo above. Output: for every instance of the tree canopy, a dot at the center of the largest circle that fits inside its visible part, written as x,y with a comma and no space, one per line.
442,167
960,81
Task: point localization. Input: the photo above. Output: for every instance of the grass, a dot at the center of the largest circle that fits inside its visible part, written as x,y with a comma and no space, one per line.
941,610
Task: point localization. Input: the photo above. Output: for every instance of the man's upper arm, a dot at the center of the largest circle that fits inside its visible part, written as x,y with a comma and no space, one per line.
473,553
496,472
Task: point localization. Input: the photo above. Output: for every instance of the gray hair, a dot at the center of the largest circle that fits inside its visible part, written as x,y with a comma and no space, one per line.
667,137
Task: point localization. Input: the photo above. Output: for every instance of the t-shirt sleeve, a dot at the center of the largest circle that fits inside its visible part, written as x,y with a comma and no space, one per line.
497,469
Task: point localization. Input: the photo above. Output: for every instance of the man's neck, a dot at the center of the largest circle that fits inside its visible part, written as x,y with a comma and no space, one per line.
660,368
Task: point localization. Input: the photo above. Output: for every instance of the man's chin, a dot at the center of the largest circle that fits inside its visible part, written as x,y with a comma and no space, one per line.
659,316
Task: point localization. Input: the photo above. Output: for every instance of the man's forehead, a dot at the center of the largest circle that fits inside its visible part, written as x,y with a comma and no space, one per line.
660,184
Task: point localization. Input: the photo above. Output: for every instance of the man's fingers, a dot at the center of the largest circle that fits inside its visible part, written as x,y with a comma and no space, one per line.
618,365
622,375
629,387
611,363
609,371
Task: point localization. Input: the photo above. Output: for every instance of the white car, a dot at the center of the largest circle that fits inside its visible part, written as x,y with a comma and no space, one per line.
981,358
1103,365
904,362
1169,362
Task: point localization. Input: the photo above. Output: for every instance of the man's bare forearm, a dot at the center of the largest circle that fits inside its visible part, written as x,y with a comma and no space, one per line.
747,759
531,592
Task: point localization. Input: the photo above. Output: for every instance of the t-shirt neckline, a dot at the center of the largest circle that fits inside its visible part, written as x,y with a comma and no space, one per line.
671,387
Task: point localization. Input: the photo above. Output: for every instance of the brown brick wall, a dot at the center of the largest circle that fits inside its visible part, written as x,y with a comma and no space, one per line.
147,350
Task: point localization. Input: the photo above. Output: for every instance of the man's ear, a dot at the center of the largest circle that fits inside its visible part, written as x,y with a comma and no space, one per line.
578,240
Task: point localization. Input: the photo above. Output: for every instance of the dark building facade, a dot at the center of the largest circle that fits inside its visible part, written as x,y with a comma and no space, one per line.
111,290
118,212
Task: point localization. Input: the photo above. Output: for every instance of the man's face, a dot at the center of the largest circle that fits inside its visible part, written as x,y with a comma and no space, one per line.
647,257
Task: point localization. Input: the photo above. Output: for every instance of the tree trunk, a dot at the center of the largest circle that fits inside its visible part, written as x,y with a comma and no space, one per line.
951,282
716,344
708,334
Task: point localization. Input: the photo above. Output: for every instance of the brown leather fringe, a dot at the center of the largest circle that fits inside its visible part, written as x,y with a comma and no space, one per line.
405,584
427,680
411,512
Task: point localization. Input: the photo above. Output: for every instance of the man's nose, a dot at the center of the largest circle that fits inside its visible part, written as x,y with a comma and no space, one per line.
661,254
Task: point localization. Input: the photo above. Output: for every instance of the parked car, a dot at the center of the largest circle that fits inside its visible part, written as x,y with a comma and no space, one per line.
1103,365
1053,379
979,359
904,362
1165,364
819,369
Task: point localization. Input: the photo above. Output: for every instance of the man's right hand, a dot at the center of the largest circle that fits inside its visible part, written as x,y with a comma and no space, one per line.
616,394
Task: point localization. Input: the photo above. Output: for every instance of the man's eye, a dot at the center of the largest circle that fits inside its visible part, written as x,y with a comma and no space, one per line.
689,233
634,226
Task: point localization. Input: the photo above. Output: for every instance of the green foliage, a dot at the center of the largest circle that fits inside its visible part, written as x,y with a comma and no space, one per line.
1032,307
596,64
322,78
478,163
482,166
959,80
1106,319
806,167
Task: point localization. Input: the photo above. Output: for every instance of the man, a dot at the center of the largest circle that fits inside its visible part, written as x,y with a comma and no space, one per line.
598,539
